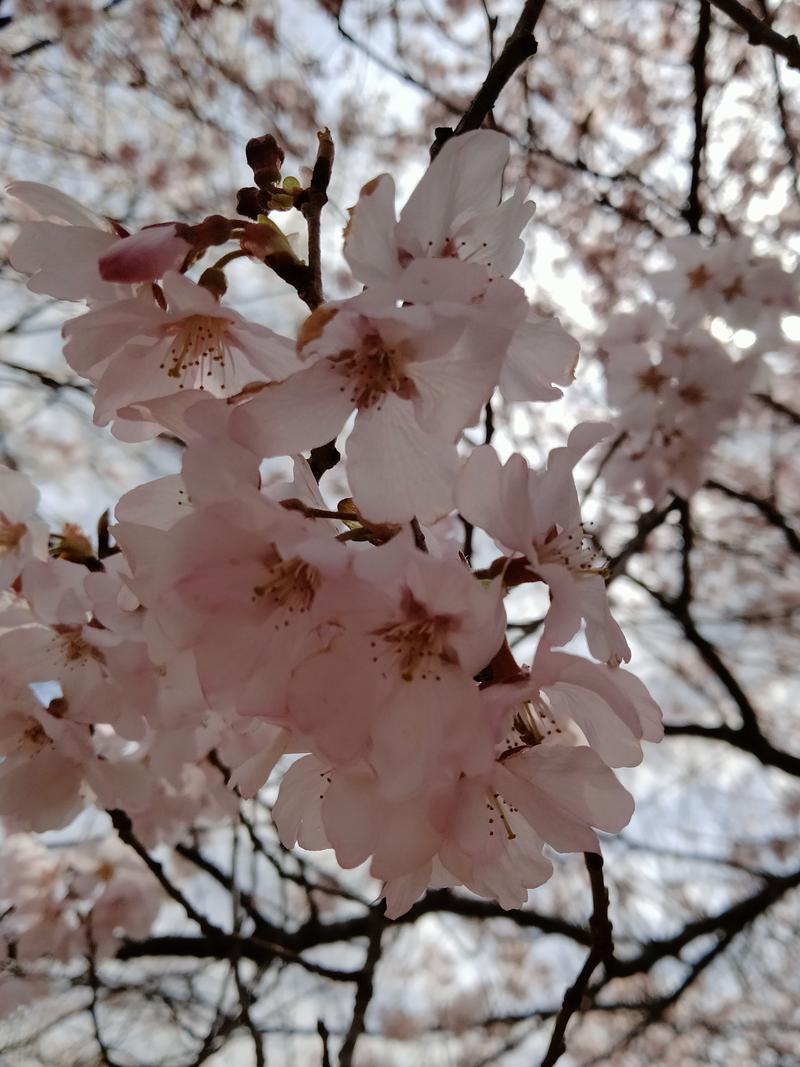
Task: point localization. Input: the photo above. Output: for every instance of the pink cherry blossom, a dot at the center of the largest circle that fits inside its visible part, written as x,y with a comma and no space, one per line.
22,535
537,513
574,701
134,350
60,251
674,395
42,770
455,211
145,256
416,376
727,280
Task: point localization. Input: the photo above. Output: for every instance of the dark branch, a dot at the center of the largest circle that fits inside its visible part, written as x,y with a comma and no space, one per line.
124,827
732,920
758,746
694,209
711,657
311,203
364,989
759,32
48,42
521,45
602,951
770,512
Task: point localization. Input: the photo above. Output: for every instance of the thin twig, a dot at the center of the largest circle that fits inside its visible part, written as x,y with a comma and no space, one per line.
789,139
48,42
601,951
779,408
245,1002
124,827
770,512
521,45
311,204
94,1004
364,989
324,1034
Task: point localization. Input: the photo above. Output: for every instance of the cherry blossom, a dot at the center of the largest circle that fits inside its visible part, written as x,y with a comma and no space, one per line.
728,280
145,256
22,535
537,513
674,394
60,251
234,621
455,211
134,350
71,903
42,771
416,376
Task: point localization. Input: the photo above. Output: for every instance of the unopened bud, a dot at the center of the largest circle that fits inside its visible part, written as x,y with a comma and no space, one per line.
265,159
248,202
213,230
213,279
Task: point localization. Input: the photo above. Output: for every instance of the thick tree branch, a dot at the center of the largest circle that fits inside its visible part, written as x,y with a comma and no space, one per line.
694,208
759,33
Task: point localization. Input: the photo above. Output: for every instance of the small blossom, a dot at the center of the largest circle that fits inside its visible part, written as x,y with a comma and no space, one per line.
134,351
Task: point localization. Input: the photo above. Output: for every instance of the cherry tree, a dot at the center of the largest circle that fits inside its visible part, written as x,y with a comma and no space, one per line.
374,653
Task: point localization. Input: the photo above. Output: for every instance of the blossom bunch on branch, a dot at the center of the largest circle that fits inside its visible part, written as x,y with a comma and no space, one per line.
226,620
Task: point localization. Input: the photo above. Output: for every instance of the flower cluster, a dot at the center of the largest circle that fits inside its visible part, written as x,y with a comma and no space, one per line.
672,381
75,902
238,622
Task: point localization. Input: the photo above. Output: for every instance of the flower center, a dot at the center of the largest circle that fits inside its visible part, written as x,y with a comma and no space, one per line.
291,584
198,351
11,533
36,735
373,370
573,550
418,640
75,647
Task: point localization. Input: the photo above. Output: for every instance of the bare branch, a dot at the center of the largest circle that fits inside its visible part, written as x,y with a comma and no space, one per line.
694,208
521,45
364,989
759,33
767,508
124,827
602,950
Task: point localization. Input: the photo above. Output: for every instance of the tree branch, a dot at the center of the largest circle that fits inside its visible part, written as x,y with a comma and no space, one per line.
364,989
759,33
521,45
311,203
124,827
602,950
770,512
694,209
